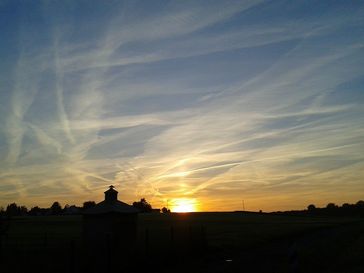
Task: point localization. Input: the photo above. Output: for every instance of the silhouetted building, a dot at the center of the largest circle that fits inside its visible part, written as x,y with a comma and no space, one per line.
110,229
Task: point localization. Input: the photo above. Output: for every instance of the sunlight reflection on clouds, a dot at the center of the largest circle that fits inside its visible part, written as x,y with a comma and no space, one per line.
220,104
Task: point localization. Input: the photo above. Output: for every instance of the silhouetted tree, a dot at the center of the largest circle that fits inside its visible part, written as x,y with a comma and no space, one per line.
23,210
331,206
360,204
56,208
35,211
2,211
12,210
68,210
88,204
143,205
346,206
165,210
331,209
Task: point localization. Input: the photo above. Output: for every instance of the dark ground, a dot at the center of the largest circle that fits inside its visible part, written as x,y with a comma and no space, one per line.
202,242
327,249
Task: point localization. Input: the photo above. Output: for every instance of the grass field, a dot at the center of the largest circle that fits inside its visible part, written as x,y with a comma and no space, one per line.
232,239
223,230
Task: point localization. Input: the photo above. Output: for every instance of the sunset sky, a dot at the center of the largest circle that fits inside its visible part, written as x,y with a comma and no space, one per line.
201,102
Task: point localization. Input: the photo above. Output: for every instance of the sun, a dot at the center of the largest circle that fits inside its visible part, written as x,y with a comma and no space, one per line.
184,205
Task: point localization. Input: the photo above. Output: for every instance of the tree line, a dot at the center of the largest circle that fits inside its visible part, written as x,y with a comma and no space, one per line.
56,209
331,209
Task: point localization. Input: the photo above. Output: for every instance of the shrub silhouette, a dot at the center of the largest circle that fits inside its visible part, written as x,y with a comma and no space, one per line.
56,208
143,205
88,204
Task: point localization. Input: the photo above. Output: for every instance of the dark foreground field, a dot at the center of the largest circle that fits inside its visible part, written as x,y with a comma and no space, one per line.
195,242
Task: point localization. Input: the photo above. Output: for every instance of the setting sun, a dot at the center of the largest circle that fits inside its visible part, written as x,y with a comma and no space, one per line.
184,205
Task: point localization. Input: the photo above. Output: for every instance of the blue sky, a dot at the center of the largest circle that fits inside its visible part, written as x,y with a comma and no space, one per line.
208,101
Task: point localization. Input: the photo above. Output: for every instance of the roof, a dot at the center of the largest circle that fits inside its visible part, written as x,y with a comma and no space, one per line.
107,207
111,204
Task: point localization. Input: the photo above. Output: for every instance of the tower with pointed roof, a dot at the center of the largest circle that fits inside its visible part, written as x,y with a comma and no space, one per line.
111,195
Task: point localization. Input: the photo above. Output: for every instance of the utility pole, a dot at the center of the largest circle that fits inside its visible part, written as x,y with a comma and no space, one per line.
243,204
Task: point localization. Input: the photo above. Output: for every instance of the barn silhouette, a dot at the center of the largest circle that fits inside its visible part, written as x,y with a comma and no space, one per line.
109,231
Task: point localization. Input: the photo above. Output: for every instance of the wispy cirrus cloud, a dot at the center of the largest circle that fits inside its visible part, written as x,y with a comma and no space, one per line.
259,101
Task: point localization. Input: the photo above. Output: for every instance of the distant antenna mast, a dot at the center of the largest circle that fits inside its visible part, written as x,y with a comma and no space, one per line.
242,201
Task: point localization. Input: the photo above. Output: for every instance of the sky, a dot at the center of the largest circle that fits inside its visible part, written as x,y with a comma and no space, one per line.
212,103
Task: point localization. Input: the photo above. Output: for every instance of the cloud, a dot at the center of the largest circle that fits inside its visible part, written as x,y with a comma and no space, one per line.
185,101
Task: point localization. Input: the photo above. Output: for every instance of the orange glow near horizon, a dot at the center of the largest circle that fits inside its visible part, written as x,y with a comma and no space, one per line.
184,205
